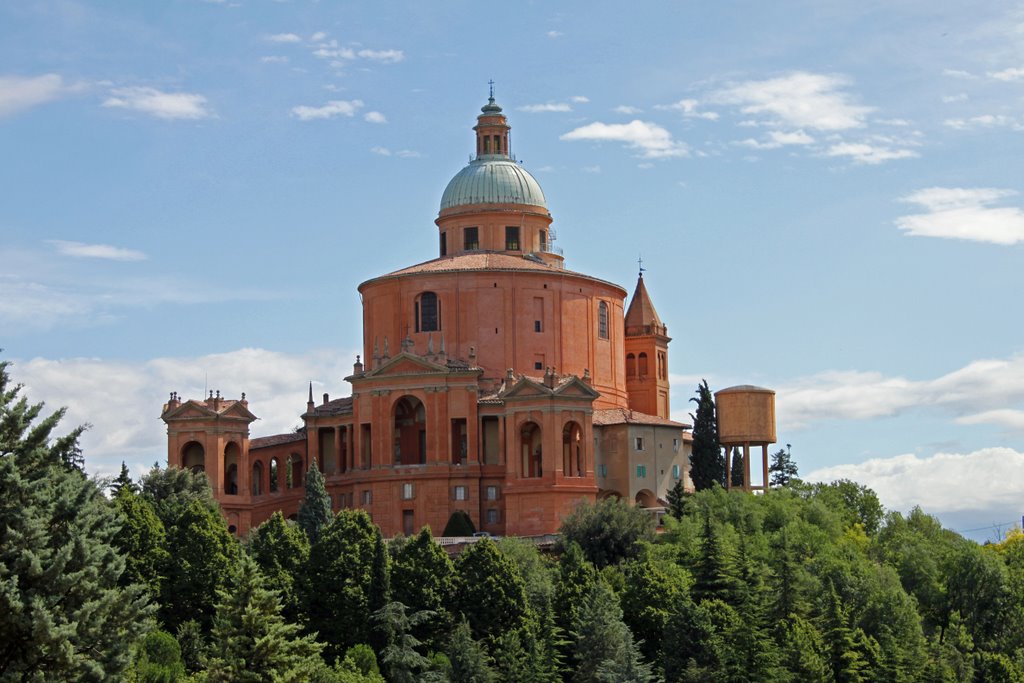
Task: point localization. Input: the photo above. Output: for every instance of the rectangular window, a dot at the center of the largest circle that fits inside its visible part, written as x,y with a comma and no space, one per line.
641,471
491,493
460,493
543,240
408,491
638,443
602,470
675,471
536,326
460,441
675,445
408,522
470,239
367,497
444,244
492,516
537,365
512,238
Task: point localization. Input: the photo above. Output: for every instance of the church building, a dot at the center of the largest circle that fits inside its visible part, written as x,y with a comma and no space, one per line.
493,380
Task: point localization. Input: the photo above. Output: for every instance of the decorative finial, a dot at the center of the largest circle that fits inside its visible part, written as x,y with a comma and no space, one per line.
310,400
491,83
640,262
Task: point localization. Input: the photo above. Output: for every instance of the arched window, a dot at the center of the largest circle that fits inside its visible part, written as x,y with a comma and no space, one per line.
410,431
232,457
572,450
428,313
530,449
275,469
630,365
257,478
193,457
642,364
602,320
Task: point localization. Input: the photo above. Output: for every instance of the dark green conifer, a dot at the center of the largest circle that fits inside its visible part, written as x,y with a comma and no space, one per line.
315,509
280,549
469,660
707,464
489,590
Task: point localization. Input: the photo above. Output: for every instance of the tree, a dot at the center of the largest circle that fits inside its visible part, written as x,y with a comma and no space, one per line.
141,539
280,549
609,531
469,660
844,656
707,465
379,595
336,582
736,476
714,574
172,489
123,481
63,613
315,509
421,578
159,659
677,500
651,590
251,640
401,660
605,649
783,470
489,590
202,559
691,648
459,524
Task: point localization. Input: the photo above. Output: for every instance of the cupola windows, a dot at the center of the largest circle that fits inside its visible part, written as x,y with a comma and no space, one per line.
428,312
470,239
512,238
602,320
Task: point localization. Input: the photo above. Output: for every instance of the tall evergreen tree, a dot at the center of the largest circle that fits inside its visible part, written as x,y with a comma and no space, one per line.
736,476
141,539
123,481
280,549
469,660
714,574
677,500
401,660
576,577
707,465
782,469
845,658
379,595
422,576
315,509
489,590
252,643
605,649
63,613
650,591
691,648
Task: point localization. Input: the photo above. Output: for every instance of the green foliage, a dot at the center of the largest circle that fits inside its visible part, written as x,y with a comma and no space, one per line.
202,559
379,595
315,509
401,660
537,571
159,659
336,583
364,659
707,464
280,549
193,646
605,649
469,660
122,482
421,578
171,490
459,524
677,500
714,574
782,470
141,539
489,591
736,475
251,642
609,531
651,589
576,578
64,614
692,648
856,503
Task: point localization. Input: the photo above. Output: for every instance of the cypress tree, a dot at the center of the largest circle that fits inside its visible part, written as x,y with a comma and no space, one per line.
315,509
252,643
677,501
63,613
707,465
380,593
736,476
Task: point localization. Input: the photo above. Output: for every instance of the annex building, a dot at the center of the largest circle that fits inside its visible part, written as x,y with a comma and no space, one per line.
493,380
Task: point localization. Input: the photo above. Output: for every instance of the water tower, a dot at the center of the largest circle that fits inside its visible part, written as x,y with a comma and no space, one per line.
746,417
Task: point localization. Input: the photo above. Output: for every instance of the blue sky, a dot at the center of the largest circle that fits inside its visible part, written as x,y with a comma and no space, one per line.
826,196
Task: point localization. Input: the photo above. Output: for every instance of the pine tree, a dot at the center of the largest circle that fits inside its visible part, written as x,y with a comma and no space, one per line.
801,650
315,509
714,574
844,658
707,465
605,649
576,578
400,658
736,476
489,590
280,549
691,649
251,640
63,613
677,500
783,470
469,660
379,595
123,481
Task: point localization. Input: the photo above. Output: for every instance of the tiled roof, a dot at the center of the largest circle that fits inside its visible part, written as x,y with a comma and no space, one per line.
276,440
481,260
617,416
339,406
641,314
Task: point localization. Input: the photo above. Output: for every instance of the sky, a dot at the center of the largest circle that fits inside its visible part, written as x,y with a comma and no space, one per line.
826,197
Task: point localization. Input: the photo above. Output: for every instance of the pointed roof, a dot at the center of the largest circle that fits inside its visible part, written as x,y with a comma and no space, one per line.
641,318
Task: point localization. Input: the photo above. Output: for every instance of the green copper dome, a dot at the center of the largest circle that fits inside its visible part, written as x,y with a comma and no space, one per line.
492,179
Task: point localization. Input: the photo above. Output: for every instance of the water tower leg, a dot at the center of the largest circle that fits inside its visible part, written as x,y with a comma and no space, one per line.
764,464
728,468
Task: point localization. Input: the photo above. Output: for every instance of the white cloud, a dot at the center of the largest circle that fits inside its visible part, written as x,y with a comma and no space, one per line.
1012,74
974,390
374,117
274,59
20,93
894,122
122,399
958,73
163,105
864,153
627,110
650,139
1007,418
335,53
778,139
987,479
327,111
383,56
402,153
964,213
579,99
555,34
959,97
545,108
284,38
100,251
318,36
799,100
591,169
983,121
688,108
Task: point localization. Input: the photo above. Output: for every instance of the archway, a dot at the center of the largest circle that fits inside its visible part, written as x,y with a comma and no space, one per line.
232,458
193,457
257,478
293,472
530,448
410,431
275,472
646,499
572,450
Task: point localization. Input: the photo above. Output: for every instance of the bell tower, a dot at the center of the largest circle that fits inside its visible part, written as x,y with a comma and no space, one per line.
646,347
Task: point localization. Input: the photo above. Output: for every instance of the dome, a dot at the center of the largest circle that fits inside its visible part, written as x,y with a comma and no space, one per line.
496,180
